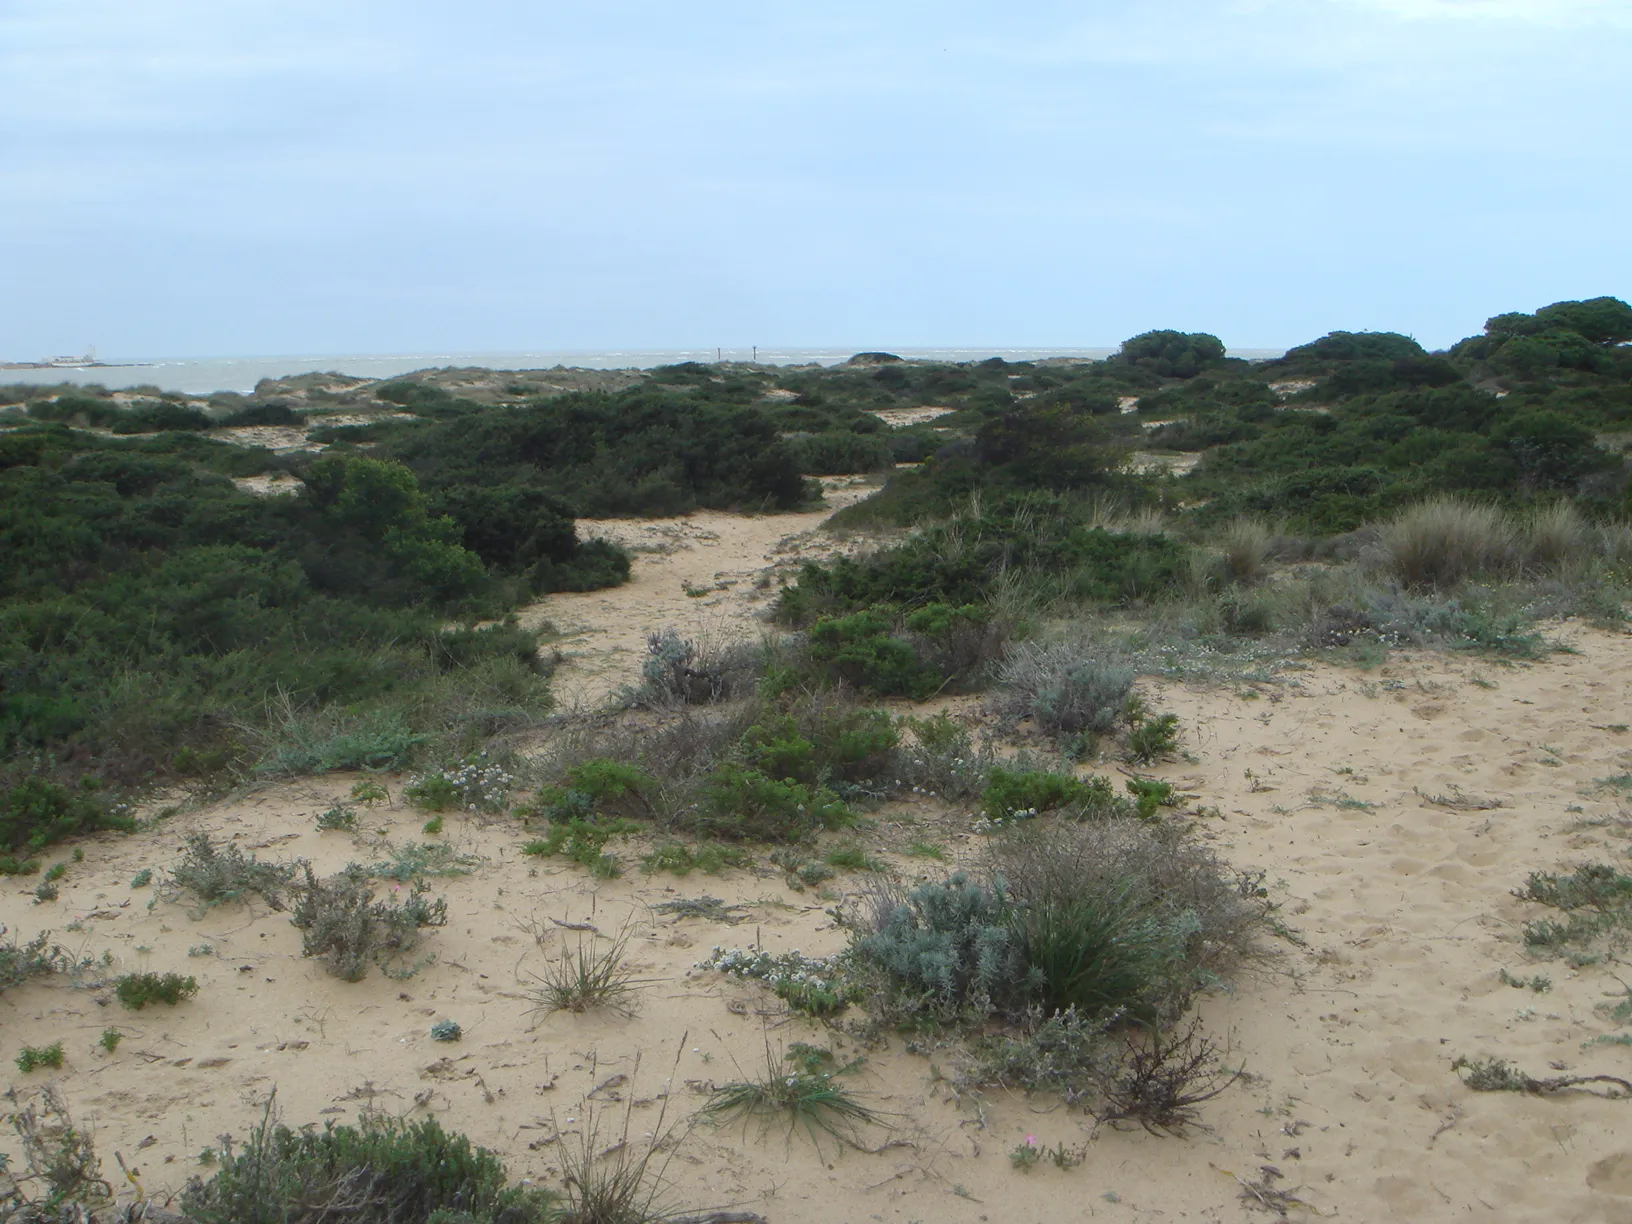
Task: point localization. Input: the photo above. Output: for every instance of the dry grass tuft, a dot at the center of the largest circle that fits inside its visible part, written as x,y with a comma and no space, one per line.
1444,541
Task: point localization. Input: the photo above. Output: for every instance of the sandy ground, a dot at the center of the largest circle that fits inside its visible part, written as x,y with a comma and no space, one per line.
710,574
1398,920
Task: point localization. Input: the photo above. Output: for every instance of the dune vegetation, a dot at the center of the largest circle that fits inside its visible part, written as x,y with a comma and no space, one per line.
197,593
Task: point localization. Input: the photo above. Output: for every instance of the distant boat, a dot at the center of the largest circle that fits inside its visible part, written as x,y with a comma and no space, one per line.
73,363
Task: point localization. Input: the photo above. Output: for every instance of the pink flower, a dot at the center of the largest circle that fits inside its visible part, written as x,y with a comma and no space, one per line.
1031,1140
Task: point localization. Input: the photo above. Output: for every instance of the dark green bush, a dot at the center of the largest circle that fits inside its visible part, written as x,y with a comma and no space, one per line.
386,1171
743,804
36,813
137,990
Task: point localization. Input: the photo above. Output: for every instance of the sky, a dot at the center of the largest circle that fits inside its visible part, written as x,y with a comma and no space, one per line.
221,177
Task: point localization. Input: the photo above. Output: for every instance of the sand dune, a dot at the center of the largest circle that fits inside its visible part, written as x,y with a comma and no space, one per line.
1391,811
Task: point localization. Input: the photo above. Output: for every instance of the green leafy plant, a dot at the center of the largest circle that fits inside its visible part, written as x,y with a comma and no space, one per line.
338,819
1153,739
33,1057
137,990
110,1039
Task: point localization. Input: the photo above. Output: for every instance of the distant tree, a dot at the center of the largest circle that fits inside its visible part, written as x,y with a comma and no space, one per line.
1358,346
1171,354
1602,320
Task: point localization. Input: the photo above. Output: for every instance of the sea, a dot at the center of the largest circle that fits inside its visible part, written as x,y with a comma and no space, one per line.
202,375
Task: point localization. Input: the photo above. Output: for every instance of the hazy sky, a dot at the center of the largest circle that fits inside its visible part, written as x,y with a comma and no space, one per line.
196,177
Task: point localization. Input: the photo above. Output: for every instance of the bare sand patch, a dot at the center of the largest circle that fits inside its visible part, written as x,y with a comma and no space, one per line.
910,416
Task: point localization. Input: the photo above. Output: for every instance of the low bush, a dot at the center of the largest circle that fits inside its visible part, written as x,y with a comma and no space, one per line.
1153,739
710,858
742,804
137,990
477,785
36,812
581,841
384,1170
1065,688
39,957
1110,918
694,671
340,921
216,874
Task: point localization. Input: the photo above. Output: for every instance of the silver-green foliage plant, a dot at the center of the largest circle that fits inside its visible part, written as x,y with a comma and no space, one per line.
216,874
1068,688
341,921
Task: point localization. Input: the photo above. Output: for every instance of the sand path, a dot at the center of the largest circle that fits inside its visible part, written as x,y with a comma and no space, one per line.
707,574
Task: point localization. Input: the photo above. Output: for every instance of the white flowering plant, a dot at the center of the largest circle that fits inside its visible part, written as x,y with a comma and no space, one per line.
817,986
477,785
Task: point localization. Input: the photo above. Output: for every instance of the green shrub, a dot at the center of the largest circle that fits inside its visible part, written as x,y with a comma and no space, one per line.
33,1057
338,818
36,813
742,804
387,1171
709,857
581,841
1017,794
137,990
110,1039
861,651
1153,739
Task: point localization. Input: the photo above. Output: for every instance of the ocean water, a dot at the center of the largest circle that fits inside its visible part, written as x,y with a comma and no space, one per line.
201,375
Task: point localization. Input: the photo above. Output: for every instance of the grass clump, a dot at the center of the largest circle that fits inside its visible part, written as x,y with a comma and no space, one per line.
217,874
110,1039
31,1058
1444,541
382,1171
582,979
810,1097
341,921
137,990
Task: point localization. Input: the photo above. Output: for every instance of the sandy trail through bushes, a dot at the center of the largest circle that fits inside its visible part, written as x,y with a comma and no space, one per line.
711,573
1396,918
